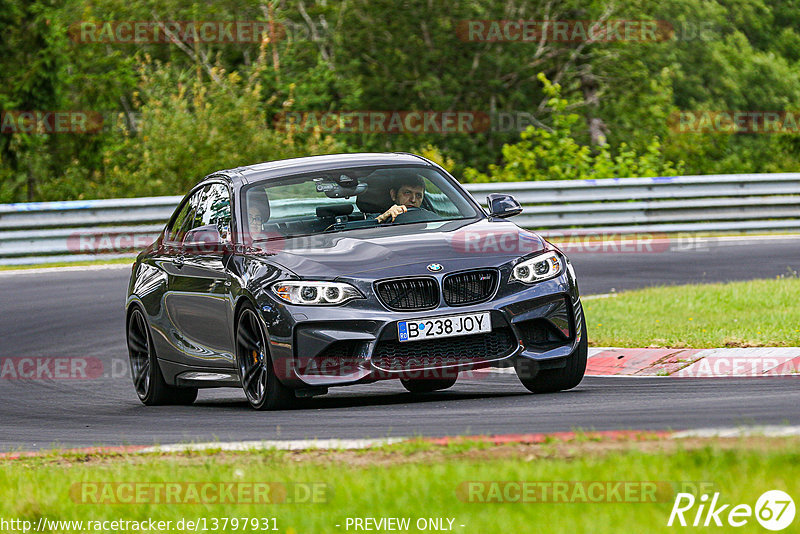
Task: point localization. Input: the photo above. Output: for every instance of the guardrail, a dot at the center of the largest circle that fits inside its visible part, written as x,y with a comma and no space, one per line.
42,232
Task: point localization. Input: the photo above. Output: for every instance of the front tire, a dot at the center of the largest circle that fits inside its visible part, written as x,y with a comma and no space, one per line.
260,384
148,380
552,380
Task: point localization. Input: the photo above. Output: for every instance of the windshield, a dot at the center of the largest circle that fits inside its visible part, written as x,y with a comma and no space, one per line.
349,199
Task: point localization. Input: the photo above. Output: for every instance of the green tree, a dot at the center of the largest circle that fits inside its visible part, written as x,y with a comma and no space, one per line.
554,154
211,124
33,63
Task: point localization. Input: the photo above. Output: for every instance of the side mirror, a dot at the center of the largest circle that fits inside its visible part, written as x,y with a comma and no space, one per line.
204,239
503,206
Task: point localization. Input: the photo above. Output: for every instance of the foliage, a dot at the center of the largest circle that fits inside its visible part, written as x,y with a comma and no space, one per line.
554,154
177,110
211,123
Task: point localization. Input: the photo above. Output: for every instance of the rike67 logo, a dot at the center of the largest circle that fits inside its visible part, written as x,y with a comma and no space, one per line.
774,510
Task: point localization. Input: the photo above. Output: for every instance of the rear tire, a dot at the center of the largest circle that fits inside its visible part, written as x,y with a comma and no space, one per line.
552,380
148,380
260,384
418,385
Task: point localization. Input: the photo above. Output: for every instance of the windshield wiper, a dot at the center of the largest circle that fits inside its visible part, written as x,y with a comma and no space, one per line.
279,237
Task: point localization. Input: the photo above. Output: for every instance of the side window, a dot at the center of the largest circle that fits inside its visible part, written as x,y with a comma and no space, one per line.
180,219
187,217
196,219
216,209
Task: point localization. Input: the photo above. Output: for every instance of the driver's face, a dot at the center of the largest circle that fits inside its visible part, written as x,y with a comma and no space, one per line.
408,196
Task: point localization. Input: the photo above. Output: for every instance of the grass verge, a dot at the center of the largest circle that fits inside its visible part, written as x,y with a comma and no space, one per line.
737,314
409,482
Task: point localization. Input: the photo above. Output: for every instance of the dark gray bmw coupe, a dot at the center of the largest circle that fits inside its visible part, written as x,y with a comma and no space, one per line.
289,277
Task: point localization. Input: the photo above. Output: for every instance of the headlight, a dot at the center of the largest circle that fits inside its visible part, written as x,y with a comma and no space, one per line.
315,293
536,269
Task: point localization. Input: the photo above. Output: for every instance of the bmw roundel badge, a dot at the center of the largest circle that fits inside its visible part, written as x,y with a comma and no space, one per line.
435,267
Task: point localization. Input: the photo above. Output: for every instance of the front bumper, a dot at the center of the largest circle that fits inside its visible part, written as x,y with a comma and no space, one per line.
357,343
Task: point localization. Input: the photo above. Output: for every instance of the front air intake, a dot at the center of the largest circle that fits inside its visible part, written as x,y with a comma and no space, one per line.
471,287
409,294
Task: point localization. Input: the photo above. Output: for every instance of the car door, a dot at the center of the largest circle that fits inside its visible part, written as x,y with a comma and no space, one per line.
198,300
169,259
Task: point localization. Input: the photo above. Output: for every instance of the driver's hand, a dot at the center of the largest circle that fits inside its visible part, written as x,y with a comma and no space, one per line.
392,212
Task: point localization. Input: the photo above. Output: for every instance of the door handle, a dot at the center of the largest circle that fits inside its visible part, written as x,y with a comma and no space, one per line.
179,261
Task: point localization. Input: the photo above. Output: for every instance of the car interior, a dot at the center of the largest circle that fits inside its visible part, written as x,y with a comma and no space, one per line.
345,203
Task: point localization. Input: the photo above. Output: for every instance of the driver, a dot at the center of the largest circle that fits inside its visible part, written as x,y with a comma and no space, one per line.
257,213
407,193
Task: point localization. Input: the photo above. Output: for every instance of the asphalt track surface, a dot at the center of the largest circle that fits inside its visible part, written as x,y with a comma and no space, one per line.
80,313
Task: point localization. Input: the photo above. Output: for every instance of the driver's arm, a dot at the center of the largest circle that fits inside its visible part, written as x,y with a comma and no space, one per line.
392,212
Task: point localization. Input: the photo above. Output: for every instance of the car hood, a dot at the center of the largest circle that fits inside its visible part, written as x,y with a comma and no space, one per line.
403,250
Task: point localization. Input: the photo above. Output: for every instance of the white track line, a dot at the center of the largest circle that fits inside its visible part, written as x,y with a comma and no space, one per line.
753,238
599,296
73,268
773,431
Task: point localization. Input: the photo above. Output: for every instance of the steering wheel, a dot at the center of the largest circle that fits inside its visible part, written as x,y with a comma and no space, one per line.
413,215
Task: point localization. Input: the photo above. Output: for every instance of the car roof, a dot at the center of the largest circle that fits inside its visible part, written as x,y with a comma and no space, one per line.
284,167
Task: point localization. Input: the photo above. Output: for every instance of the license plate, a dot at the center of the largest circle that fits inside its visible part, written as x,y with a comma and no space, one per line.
439,327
